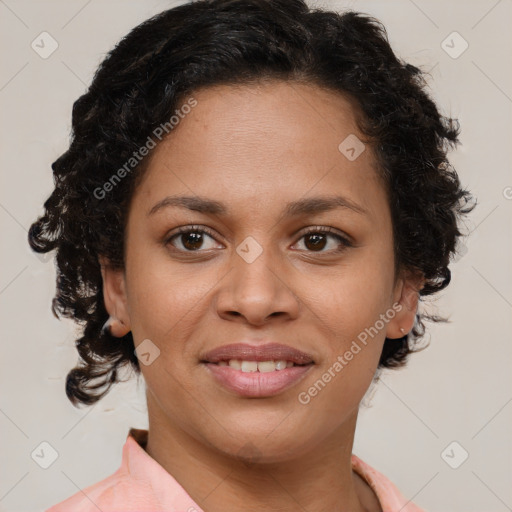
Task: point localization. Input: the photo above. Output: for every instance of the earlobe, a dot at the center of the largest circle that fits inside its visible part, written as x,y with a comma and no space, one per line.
115,299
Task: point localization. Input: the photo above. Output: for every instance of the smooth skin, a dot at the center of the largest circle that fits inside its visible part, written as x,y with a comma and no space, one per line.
256,148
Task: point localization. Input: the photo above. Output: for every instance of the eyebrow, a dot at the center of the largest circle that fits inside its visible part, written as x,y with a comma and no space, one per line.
306,206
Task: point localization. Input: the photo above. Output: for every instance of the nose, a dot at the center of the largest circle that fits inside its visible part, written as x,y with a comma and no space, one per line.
256,290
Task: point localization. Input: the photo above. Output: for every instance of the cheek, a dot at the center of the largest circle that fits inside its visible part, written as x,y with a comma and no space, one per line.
160,297
352,298
168,303
354,342
349,308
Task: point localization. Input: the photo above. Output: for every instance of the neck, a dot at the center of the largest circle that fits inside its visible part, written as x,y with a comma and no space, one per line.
318,480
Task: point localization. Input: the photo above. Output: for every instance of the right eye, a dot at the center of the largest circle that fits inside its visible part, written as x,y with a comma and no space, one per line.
191,238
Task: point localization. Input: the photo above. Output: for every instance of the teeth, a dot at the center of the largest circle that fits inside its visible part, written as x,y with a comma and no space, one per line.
266,366
249,366
255,366
235,363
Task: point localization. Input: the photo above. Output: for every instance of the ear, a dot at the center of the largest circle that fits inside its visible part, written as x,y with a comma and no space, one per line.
114,293
405,300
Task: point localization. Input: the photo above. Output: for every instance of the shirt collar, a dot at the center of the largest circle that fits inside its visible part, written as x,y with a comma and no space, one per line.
138,464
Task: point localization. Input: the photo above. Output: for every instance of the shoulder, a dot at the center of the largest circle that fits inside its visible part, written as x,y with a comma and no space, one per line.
116,492
129,488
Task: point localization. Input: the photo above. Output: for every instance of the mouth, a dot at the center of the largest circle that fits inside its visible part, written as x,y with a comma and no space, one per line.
257,371
247,366
249,354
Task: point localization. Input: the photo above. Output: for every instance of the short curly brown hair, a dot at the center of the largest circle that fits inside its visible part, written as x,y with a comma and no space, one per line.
209,42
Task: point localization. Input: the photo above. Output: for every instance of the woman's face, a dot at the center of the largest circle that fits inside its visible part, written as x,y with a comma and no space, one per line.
250,274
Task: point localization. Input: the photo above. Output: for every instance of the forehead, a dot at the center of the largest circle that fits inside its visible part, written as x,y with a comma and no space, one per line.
272,110
251,141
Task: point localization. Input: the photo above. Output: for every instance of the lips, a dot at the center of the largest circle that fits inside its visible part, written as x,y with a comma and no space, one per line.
267,352
257,371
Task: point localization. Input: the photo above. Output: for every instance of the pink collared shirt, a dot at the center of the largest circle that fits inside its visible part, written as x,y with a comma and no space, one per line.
141,484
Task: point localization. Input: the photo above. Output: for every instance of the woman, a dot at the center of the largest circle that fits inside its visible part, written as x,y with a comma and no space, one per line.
255,197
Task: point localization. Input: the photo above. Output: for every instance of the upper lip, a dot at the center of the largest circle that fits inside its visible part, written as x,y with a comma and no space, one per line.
248,352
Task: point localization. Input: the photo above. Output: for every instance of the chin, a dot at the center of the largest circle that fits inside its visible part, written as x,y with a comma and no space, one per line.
253,444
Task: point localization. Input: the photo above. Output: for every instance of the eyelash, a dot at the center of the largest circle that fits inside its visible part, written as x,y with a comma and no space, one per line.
312,230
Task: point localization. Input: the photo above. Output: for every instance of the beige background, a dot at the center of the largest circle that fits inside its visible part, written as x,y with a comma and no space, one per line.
459,389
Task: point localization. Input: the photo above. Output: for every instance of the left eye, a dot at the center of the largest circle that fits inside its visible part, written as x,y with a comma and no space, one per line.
315,240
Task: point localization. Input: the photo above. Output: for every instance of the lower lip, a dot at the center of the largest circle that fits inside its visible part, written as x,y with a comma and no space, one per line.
257,384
